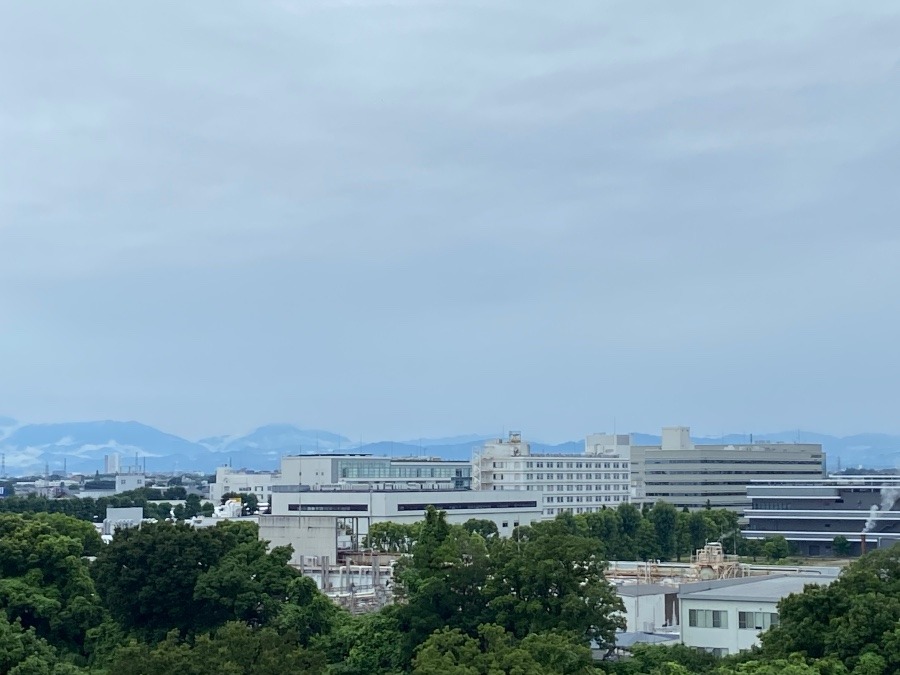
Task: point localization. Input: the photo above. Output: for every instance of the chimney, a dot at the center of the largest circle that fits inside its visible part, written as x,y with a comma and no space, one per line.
862,544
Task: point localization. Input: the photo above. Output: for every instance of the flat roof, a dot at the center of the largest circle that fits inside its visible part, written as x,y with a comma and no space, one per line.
639,590
765,589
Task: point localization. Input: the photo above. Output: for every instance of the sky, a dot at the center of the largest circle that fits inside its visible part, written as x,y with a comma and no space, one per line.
406,218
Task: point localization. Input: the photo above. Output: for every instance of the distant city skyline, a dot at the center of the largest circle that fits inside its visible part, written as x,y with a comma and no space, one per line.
414,219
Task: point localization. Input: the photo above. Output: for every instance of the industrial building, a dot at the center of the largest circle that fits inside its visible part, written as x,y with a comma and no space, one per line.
688,475
812,513
727,616
324,505
577,483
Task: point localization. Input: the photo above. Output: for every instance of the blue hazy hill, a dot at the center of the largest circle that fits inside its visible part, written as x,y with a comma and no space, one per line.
28,448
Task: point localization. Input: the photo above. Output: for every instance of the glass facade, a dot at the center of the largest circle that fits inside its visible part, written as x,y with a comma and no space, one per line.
378,469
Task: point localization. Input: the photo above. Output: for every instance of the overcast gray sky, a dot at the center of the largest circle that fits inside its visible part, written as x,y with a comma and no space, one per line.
406,217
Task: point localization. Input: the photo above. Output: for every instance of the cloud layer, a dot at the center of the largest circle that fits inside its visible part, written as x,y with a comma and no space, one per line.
401,218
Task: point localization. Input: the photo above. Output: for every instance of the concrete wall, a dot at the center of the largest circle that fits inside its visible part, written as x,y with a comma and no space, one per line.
645,613
314,536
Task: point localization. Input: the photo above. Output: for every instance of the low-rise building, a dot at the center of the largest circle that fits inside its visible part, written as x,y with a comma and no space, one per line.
126,482
727,616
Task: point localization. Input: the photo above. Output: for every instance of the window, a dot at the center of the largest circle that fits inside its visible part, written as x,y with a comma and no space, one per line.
757,620
505,523
707,618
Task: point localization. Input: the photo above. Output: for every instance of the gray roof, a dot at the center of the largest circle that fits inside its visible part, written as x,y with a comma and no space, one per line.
625,640
634,590
764,589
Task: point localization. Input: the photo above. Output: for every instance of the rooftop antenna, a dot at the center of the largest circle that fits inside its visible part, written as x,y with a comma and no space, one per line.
65,472
3,465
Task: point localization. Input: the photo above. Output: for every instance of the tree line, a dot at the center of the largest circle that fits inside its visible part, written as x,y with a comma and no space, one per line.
660,532
94,510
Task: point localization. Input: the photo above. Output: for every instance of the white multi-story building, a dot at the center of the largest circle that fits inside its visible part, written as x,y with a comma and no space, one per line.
241,482
577,483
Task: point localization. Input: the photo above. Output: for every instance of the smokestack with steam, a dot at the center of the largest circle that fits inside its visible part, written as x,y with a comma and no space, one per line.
889,497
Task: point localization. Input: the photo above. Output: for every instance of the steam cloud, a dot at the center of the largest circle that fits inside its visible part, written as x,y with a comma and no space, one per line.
889,497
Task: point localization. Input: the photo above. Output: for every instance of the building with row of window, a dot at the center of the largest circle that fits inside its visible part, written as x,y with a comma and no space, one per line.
727,616
577,483
688,475
811,514
241,482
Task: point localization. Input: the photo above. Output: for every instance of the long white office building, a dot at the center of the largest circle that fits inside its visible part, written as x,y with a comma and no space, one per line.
577,483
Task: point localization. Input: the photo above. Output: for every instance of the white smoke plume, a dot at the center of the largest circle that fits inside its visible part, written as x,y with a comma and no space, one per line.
889,497
873,516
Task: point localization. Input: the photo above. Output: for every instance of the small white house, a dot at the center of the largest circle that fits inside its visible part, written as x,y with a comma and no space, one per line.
727,616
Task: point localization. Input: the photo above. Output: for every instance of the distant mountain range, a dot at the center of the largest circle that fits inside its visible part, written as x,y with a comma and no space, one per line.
81,446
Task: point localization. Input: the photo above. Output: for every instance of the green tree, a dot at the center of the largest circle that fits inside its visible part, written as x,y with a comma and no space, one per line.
646,541
552,578
44,580
442,582
776,547
147,576
452,652
697,529
366,645
247,584
192,506
482,526
841,545
856,615
683,534
234,649
22,652
664,517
